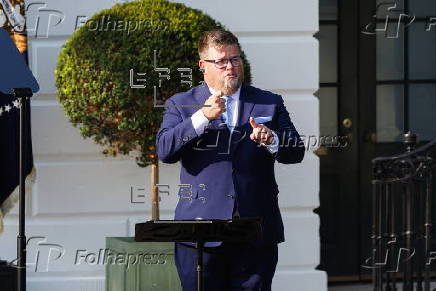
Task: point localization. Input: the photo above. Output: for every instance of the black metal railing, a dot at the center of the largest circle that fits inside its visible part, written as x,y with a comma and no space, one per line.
402,219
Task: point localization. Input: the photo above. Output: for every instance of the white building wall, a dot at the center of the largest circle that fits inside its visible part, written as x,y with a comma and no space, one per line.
80,197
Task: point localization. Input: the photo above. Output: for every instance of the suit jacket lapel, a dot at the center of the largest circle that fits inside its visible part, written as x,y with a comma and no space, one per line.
246,105
243,128
202,94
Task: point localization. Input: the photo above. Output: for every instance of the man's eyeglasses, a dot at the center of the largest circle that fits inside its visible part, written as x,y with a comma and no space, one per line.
222,63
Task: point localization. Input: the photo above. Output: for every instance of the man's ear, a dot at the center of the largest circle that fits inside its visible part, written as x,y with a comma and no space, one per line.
202,66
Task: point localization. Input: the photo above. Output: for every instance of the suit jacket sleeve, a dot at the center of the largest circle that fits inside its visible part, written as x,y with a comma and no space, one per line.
291,147
174,135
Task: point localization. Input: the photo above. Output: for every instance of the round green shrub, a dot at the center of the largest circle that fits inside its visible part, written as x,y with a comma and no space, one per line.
93,71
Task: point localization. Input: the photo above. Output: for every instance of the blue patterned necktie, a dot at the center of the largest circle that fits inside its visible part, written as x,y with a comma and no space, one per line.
228,115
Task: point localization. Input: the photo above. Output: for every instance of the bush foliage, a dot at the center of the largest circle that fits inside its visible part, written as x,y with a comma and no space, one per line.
94,71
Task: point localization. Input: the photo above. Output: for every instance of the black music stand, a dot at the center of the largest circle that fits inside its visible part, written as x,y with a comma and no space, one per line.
199,231
17,79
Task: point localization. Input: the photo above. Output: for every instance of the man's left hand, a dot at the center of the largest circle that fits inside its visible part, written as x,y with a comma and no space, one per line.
261,133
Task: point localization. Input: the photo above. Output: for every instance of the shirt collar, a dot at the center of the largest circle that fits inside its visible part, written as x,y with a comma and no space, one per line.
235,95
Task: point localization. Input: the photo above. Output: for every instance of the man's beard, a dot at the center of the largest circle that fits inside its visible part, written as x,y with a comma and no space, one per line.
230,86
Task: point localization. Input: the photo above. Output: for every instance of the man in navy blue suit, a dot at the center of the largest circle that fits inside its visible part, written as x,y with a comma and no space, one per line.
227,144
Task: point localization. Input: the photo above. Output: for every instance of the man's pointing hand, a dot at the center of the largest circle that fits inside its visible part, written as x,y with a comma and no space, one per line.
261,133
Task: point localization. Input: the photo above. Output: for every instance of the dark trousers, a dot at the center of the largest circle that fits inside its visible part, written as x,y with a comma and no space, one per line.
230,266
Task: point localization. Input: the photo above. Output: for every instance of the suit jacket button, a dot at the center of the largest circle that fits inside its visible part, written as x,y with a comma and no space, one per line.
231,196
185,138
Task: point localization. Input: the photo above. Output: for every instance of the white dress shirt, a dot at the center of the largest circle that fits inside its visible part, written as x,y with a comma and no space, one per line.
199,121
